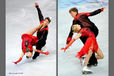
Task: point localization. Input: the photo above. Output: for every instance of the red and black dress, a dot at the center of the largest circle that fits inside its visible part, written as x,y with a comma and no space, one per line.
90,43
41,34
27,42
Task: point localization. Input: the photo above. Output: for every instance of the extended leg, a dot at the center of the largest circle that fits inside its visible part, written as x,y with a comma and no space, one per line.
99,54
32,31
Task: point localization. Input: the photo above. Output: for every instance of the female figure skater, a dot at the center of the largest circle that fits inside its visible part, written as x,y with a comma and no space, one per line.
41,32
84,21
28,40
89,47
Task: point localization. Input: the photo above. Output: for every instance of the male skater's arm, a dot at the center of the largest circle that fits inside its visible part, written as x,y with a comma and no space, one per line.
70,43
41,18
69,38
39,51
22,54
95,12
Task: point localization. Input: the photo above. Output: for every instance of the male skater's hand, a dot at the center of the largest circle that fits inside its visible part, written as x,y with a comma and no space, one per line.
63,49
36,4
103,8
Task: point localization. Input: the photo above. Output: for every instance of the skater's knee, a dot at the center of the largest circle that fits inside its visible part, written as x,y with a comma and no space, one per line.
90,53
102,56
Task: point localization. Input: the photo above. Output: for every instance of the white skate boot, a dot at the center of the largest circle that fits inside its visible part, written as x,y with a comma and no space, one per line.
85,70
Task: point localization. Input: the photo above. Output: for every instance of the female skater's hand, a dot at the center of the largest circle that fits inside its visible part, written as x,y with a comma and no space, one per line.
63,49
15,62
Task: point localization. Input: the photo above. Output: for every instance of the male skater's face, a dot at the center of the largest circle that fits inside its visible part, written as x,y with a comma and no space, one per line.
73,14
46,22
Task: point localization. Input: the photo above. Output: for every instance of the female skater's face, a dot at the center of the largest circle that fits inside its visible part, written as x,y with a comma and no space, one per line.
29,54
46,22
73,14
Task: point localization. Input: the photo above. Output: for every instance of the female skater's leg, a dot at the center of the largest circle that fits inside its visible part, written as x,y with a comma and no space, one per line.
99,54
88,57
32,31
85,70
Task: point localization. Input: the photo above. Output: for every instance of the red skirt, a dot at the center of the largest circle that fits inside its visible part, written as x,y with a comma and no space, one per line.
32,40
91,44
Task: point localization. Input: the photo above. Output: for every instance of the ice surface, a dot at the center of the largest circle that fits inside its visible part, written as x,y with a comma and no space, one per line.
68,65
21,16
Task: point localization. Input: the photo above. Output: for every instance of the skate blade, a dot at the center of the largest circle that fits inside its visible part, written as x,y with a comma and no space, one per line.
86,72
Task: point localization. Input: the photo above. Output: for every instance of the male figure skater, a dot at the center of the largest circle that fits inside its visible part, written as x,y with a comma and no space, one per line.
42,32
84,21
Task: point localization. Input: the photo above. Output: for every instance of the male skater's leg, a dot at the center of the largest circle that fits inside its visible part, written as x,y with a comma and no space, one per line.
38,47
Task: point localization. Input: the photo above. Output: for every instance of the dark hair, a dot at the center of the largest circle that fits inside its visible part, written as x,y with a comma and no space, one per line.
74,9
48,19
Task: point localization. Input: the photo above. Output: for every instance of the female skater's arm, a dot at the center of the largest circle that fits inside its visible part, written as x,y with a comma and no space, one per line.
95,12
39,51
70,43
22,54
41,18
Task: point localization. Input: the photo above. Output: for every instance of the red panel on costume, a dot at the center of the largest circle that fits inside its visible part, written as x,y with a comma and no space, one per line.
32,40
91,42
45,29
41,21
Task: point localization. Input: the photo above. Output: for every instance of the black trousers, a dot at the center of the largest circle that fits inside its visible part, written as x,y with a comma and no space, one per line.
39,46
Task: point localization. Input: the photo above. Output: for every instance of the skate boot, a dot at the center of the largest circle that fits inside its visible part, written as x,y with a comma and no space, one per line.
85,70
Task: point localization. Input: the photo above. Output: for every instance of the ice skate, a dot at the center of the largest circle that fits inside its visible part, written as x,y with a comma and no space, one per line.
85,70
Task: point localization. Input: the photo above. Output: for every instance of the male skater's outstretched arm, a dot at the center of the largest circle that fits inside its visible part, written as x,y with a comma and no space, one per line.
41,18
95,12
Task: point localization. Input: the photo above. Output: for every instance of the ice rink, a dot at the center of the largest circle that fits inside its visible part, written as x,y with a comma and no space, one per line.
68,65
21,16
